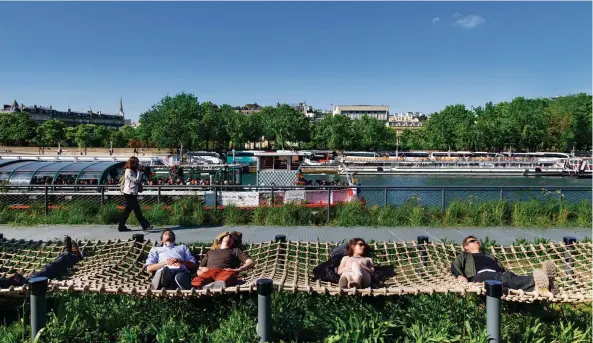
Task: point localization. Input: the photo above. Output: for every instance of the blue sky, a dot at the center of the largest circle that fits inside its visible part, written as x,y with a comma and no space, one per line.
418,56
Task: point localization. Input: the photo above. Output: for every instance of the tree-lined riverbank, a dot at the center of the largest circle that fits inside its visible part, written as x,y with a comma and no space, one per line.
521,124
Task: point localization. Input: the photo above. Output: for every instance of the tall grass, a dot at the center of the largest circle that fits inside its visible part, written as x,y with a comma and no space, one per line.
192,212
296,317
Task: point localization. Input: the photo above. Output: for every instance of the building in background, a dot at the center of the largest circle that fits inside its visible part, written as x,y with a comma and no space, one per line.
40,114
379,112
404,121
248,109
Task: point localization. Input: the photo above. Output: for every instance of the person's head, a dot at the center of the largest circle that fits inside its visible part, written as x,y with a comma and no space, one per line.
167,236
227,240
358,247
133,163
470,244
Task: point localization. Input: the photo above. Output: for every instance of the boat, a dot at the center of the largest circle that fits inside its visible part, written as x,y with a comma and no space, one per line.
457,163
203,157
319,158
280,181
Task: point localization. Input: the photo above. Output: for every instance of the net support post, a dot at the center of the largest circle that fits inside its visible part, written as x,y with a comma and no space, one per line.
46,201
422,252
443,204
569,242
138,238
38,296
281,256
493,309
264,310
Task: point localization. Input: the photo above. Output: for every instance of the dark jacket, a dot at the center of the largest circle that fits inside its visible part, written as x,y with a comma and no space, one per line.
465,265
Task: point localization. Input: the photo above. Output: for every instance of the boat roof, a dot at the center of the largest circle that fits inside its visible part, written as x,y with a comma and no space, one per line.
276,153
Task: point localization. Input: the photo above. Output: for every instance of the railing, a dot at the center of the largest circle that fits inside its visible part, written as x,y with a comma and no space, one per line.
52,196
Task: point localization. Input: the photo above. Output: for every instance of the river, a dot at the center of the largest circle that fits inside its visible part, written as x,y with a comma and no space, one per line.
438,197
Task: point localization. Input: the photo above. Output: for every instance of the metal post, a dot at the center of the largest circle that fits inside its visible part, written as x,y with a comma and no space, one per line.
501,194
329,200
158,195
422,241
38,291
493,304
272,197
443,200
264,310
385,202
102,195
215,198
281,258
568,260
46,202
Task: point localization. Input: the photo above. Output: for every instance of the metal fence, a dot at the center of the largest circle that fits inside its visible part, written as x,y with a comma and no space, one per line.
50,196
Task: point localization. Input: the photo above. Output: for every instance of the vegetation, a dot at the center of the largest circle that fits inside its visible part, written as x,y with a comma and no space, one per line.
296,317
189,212
522,124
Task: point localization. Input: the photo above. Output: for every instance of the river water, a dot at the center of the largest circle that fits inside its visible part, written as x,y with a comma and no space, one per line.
546,188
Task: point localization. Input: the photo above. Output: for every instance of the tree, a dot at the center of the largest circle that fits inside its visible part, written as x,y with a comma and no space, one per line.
173,121
51,133
85,135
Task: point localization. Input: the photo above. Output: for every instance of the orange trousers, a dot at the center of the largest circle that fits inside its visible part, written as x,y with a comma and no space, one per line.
215,274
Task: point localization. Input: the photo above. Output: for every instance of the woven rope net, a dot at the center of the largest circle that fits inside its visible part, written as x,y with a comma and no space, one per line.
117,267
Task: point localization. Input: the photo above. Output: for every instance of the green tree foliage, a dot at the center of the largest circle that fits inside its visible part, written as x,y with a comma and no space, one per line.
51,133
521,124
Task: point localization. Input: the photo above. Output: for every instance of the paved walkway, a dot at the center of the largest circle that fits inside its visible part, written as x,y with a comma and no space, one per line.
299,233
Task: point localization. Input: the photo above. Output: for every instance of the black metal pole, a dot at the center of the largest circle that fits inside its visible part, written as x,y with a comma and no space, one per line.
443,200
422,241
569,242
272,197
158,195
264,310
46,202
102,196
38,292
493,305
329,200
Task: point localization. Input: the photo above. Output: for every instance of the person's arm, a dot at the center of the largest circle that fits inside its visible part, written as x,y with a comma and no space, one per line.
152,261
133,178
342,265
189,260
370,268
203,265
457,269
247,261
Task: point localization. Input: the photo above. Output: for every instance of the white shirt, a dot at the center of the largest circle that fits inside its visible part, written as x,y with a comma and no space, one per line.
132,180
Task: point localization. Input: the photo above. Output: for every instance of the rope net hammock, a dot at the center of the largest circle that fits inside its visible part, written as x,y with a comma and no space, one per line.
117,267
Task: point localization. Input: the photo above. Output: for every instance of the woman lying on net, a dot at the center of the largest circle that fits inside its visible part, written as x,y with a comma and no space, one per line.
356,269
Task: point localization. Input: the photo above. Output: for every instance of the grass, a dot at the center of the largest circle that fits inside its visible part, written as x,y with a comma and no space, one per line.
190,212
296,317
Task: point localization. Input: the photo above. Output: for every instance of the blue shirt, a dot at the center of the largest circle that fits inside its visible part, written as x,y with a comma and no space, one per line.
162,254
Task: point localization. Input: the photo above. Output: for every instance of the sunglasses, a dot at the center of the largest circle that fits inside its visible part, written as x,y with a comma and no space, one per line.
361,244
471,241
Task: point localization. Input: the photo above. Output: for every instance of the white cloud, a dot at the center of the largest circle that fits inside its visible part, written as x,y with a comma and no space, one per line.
436,20
468,22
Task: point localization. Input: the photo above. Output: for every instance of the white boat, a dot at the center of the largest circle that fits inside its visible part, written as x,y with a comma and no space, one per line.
203,157
319,158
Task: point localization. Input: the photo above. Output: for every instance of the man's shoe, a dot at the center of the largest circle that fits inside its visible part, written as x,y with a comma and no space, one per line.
542,283
551,271
162,278
343,282
18,278
123,229
76,250
182,280
67,244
